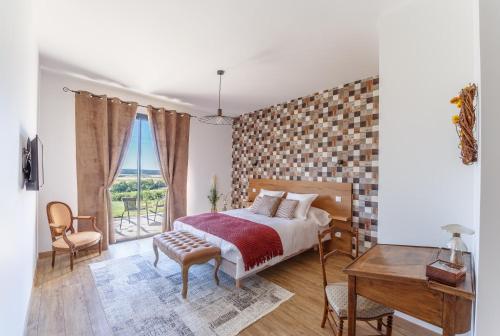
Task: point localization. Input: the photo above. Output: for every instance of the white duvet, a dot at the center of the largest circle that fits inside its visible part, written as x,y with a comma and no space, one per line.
296,235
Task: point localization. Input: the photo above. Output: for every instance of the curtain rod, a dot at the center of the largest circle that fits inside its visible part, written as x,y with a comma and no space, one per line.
67,89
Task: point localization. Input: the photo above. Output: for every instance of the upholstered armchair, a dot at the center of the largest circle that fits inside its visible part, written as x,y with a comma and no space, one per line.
61,223
335,293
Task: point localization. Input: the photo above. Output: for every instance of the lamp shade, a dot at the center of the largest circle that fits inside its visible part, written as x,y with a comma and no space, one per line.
218,119
457,229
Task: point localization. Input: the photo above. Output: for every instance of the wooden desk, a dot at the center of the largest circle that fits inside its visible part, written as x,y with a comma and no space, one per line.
394,275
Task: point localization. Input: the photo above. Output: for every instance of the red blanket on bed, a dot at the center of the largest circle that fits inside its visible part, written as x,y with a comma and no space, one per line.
257,242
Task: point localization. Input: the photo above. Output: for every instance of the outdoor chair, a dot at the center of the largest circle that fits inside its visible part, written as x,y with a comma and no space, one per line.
130,204
160,203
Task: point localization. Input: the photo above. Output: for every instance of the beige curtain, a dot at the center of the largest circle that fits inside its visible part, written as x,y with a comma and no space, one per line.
103,129
171,136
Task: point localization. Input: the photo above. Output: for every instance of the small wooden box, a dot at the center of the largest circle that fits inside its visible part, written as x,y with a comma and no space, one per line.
445,272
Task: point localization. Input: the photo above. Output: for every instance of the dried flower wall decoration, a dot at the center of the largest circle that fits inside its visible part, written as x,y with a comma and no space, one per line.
465,123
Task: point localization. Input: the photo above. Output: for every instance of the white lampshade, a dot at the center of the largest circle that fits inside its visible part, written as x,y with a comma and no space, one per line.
457,228
456,243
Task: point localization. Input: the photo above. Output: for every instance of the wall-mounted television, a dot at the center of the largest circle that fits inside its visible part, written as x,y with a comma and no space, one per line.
33,164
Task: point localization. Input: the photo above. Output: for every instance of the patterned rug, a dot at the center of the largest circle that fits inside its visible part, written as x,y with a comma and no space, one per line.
139,299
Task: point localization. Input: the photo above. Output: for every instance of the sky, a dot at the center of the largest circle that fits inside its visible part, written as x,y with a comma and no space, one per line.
148,156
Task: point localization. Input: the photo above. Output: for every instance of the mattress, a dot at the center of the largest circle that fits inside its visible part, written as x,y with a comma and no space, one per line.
296,235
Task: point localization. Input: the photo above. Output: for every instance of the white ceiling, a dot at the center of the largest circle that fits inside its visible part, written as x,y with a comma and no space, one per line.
272,50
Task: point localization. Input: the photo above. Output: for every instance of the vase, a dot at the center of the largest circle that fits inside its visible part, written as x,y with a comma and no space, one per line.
214,209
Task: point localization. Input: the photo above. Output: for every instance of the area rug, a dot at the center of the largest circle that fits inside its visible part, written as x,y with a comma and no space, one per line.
139,299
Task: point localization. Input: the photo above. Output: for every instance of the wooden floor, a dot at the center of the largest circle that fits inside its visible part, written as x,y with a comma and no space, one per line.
67,303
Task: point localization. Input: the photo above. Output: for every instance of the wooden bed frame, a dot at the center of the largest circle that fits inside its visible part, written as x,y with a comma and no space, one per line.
335,198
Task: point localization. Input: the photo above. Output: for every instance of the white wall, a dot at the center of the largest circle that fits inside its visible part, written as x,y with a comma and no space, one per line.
18,101
426,56
209,151
209,154
488,292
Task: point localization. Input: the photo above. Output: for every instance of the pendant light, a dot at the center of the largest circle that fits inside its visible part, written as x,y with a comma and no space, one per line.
217,119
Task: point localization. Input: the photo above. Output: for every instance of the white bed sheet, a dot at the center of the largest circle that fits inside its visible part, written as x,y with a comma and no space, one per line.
296,235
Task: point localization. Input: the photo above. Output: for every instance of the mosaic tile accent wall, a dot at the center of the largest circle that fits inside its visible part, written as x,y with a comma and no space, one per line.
307,138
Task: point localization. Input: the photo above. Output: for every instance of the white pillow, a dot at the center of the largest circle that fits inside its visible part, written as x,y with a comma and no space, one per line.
319,216
305,201
264,192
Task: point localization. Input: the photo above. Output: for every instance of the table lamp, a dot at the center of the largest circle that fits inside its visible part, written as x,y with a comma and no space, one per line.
456,244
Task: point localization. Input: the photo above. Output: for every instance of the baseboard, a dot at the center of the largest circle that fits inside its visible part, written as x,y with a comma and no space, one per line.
34,283
48,254
45,254
27,315
426,325
419,322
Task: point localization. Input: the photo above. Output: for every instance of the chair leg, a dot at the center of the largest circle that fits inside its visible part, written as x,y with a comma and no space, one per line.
379,324
71,255
100,246
325,314
53,258
121,219
341,327
389,325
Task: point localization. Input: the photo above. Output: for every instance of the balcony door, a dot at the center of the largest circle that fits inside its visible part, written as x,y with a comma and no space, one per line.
138,194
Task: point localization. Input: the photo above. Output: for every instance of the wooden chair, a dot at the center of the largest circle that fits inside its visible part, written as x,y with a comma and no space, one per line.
60,222
336,297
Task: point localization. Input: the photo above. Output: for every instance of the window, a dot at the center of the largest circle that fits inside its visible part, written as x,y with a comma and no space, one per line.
139,192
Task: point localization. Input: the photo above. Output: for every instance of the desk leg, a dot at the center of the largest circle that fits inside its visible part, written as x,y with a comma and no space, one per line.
351,308
449,315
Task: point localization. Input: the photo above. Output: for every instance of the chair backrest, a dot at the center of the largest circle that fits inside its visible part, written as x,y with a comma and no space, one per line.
60,218
130,203
160,201
328,248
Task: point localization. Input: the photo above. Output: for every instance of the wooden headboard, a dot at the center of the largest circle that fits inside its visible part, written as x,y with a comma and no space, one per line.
335,198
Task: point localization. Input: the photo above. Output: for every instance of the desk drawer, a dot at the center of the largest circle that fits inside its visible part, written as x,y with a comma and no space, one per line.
414,299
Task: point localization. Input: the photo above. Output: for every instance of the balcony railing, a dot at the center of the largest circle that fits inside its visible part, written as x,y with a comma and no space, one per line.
133,219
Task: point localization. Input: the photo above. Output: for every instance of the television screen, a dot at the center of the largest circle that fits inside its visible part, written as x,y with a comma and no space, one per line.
34,164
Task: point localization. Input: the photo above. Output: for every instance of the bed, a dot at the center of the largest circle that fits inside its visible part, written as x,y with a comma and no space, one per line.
296,235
